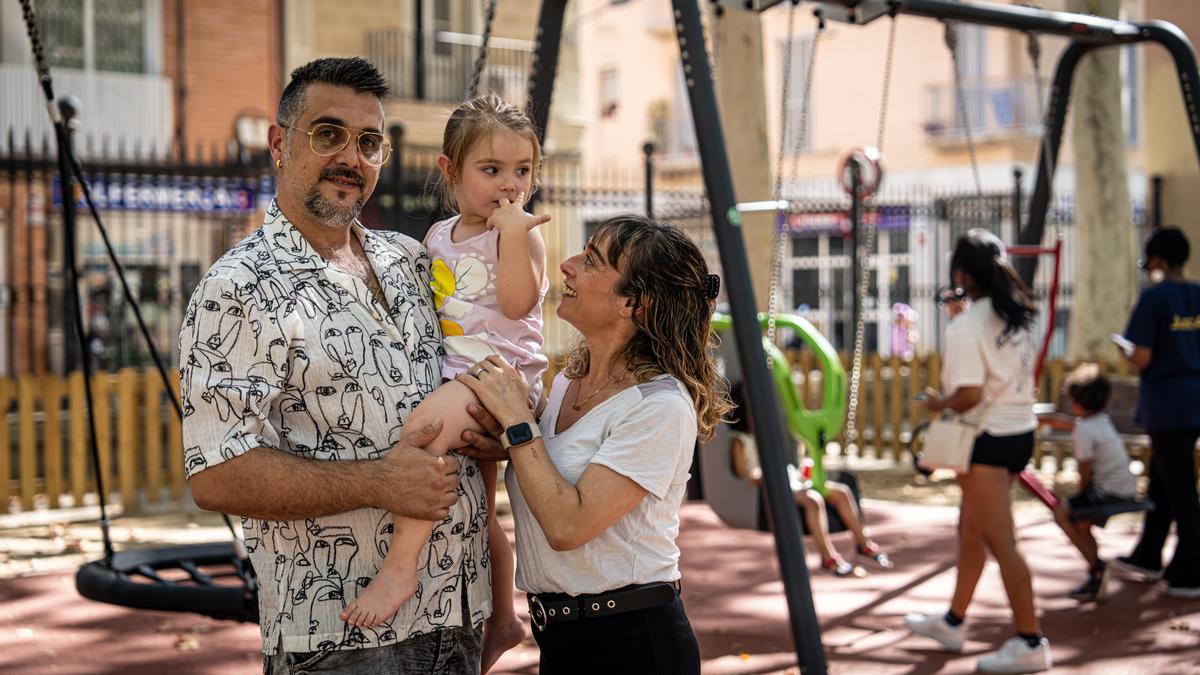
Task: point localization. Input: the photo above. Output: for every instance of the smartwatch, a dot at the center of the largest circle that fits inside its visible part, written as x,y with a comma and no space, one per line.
519,434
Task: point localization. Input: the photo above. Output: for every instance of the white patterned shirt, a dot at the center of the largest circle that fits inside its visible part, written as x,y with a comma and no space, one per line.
278,349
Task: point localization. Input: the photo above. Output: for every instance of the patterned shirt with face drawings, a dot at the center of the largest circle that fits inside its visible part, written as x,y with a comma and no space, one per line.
280,350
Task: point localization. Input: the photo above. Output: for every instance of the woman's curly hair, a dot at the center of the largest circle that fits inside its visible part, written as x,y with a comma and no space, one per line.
664,273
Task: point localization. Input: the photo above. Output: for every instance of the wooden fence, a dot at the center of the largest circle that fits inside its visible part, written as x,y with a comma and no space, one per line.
47,459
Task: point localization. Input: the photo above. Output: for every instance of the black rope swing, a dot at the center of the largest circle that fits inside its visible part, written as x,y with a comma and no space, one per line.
211,579
214,580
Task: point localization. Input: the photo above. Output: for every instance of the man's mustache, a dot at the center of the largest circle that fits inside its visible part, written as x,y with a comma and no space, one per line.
345,173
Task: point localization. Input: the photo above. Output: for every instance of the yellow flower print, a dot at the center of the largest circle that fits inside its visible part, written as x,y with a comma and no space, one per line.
448,287
450,328
442,284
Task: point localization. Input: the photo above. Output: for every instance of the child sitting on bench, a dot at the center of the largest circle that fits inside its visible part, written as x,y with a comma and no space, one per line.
1104,475
744,460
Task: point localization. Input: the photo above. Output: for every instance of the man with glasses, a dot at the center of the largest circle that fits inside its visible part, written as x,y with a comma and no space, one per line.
303,350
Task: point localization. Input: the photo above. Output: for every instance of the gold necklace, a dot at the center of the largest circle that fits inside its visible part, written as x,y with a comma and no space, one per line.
577,405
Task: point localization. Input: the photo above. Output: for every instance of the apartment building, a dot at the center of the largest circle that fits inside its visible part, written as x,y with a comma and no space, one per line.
174,101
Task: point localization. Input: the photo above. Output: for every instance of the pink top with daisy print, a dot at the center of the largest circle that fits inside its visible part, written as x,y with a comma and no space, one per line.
473,325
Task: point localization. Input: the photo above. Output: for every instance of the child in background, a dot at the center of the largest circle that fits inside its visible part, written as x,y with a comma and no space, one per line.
1104,475
488,284
744,459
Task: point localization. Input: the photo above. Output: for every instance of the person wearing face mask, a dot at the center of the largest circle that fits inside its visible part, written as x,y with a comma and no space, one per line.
1165,334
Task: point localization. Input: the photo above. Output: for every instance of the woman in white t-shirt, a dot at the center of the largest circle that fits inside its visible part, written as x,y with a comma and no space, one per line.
596,492
987,377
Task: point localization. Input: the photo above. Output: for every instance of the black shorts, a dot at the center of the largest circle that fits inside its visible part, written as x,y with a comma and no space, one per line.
1006,452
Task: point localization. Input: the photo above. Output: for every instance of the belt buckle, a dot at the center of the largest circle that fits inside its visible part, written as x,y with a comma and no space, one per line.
536,609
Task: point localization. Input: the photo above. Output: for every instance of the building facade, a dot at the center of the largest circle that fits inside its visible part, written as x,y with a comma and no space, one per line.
174,101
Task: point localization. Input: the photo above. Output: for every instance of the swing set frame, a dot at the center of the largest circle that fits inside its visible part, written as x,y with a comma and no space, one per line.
1086,34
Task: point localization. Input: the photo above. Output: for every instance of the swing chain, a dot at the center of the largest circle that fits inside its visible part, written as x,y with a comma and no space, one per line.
777,246
864,275
489,16
951,37
780,217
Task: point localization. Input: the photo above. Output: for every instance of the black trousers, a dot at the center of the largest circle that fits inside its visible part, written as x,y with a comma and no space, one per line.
1173,491
655,641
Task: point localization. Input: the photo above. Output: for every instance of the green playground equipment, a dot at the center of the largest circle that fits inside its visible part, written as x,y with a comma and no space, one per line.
812,427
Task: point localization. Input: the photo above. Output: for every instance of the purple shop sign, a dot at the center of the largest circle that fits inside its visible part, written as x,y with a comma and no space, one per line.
827,222
170,194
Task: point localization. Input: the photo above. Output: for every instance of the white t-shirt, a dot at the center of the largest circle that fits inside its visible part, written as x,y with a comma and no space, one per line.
979,354
1095,440
646,433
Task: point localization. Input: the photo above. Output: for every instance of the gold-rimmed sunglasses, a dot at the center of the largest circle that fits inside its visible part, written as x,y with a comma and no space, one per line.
327,139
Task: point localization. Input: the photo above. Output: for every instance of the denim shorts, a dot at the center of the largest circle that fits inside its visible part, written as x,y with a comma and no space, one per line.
447,650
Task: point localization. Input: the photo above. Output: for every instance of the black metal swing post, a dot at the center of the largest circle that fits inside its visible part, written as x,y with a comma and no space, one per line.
62,115
64,137
768,424
648,169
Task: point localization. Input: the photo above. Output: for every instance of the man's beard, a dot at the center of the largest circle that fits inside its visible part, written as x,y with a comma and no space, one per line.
329,212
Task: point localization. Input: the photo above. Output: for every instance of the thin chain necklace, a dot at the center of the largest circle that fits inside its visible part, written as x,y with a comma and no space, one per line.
578,405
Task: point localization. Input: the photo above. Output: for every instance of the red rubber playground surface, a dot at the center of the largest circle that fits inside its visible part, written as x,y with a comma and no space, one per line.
734,597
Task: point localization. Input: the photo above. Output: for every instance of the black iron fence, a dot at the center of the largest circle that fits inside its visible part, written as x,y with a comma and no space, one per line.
171,218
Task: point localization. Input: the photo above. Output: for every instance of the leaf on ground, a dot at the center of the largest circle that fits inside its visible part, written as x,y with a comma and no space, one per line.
186,643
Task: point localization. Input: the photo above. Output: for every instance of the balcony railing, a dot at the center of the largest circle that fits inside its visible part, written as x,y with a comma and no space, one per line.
447,66
994,108
134,112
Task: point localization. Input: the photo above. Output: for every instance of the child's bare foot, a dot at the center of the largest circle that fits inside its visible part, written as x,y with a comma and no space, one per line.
390,589
500,634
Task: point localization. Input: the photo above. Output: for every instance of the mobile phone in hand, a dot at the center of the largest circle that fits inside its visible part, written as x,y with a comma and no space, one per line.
1127,348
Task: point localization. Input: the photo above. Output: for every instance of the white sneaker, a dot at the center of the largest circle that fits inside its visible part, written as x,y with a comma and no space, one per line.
935,627
1016,656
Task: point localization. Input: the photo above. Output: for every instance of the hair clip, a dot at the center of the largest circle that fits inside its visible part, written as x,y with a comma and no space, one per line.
712,286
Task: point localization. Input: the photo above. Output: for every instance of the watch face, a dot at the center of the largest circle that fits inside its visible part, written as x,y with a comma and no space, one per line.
519,433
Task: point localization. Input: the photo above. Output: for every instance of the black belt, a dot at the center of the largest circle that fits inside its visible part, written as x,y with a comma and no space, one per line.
549,608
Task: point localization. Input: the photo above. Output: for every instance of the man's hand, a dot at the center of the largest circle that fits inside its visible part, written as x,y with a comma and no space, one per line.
512,216
483,447
414,483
